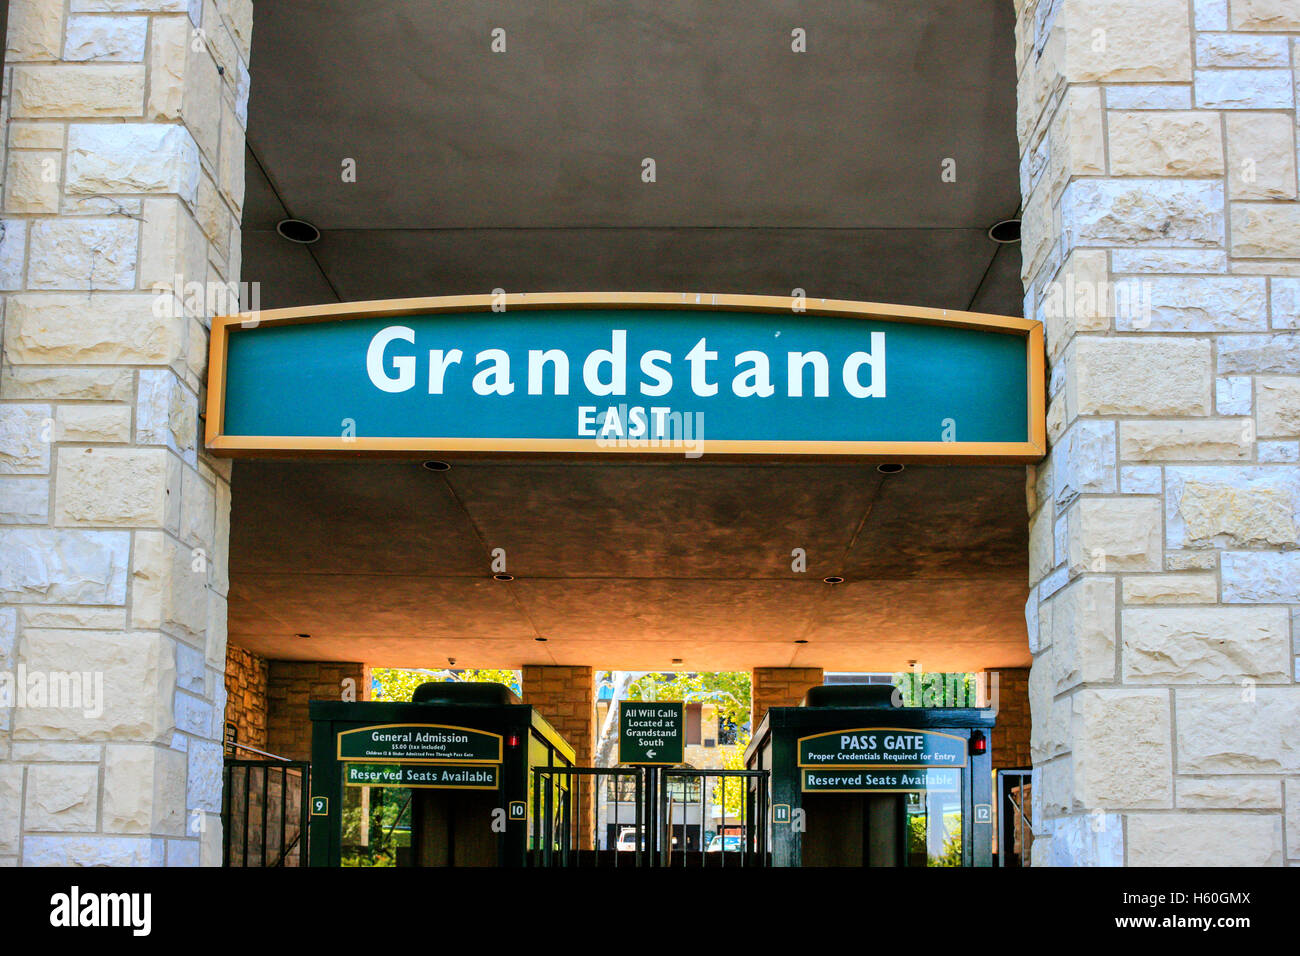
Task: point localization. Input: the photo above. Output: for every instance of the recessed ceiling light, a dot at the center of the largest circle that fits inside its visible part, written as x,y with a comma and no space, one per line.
298,230
833,579
677,660
432,465
1005,232
890,468
540,640
303,636
801,641
503,576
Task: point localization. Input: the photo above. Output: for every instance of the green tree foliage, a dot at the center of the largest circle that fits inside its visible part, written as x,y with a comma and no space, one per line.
731,692
398,684
936,690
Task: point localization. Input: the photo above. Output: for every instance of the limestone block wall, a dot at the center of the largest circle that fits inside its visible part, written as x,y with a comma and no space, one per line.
123,157
1161,248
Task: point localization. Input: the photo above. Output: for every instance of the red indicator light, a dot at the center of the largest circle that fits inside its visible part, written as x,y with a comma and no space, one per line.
978,744
512,740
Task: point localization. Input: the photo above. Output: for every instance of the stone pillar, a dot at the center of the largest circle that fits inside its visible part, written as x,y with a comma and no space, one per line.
292,685
123,170
1008,691
780,687
566,697
1162,252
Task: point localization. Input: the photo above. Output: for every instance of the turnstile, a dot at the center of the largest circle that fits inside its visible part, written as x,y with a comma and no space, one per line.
446,780
858,781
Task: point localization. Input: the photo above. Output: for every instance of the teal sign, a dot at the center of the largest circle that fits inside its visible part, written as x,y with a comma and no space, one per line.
882,747
685,380
422,776
419,742
901,780
651,732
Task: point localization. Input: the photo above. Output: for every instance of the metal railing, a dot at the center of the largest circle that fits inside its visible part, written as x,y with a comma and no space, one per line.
667,823
1015,817
265,812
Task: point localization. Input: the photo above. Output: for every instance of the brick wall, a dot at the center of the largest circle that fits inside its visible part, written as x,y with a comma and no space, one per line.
290,685
781,687
1010,739
246,704
566,697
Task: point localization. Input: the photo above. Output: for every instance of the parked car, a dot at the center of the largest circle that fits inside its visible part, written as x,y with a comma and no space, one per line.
729,843
627,840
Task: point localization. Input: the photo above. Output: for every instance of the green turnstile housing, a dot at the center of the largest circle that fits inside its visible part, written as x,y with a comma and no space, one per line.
857,781
446,780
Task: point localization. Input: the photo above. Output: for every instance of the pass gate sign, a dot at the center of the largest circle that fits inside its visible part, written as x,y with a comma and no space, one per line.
651,732
882,747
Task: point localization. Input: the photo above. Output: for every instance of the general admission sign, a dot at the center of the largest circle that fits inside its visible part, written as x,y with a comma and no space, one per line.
639,373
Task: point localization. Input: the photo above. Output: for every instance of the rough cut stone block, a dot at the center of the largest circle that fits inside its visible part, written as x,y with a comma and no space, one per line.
53,383
1165,261
25,500
78,91
1164,143
1241,50
1204,839
93,423
92,850
1083,633
1228,793
1084,461
1163,97
110,329
25,435
1232,395
1243,729
32,181
92,254
1141,480
61,797
144,790
1206,645
1141,43
1115,534
1217,440
1252,577
13,249
1279,406
1261,156
48,566
1265,15
1141,376
35,31
1151,212
113,486
1214,304
1285,303
139,676
1242,506
106,39
132,158
1185,588
1266,230
1266,89
1122,749
1277,354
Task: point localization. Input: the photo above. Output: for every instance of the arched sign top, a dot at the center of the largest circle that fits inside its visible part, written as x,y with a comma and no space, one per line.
628,373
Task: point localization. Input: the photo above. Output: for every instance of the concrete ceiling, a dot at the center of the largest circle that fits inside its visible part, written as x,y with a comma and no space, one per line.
522,170
630,565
